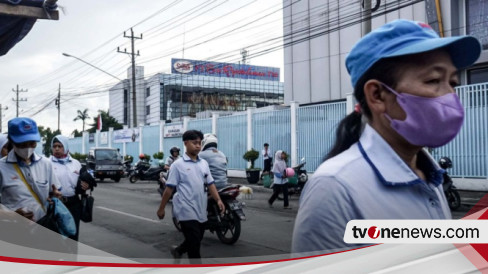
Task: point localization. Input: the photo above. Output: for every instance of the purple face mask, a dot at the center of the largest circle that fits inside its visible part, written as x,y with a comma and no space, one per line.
430,122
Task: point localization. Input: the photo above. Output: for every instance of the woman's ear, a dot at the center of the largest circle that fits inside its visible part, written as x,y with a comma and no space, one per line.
375,96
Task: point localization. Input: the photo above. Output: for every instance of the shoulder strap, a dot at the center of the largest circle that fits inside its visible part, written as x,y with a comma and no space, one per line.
29,187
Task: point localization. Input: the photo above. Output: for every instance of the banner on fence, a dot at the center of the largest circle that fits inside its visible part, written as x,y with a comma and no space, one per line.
126,135
173,131
91,138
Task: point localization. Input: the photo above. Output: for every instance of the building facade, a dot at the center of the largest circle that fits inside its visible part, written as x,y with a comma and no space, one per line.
320,33
195,87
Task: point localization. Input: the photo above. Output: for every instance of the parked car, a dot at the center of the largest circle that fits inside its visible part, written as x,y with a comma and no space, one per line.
105,163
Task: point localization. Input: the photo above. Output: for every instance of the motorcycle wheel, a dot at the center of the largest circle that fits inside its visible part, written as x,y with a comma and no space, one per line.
133,178
231,230
453,199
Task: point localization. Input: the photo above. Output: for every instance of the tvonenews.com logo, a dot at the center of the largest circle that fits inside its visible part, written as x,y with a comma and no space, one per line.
416,231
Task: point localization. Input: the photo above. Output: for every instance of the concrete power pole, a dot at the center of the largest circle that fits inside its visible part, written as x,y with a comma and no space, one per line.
133,55
57,102
1,114
18,100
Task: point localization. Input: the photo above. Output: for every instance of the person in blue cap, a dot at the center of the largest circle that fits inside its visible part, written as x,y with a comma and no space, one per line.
403,76
27,180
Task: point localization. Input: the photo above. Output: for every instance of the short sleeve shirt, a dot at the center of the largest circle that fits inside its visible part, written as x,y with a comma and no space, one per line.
190,177
367,181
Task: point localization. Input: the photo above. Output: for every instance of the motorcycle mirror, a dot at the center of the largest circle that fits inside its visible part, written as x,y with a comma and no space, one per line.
302,160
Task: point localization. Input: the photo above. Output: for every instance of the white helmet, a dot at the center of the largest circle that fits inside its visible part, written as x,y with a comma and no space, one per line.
209,138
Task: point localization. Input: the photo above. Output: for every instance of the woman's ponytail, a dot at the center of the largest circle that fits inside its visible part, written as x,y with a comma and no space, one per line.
348,133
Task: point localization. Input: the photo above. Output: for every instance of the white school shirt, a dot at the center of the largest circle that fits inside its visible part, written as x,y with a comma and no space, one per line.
39,175
67,173
367,181
189,177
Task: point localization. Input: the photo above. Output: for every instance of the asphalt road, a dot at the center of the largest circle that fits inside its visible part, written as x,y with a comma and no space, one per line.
125,224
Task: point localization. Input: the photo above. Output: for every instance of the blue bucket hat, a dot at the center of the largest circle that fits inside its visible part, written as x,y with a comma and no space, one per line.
405,37
23,129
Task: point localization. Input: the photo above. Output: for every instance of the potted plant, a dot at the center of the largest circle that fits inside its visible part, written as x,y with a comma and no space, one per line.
252,173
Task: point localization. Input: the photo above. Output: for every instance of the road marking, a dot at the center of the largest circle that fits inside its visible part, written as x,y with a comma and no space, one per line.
131,215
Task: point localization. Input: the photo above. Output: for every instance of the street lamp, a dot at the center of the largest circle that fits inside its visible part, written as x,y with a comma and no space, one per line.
69,55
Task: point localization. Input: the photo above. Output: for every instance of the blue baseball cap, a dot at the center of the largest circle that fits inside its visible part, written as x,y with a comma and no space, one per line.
405,37
22,129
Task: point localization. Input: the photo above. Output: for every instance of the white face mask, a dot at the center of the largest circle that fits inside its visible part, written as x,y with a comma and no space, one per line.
24,153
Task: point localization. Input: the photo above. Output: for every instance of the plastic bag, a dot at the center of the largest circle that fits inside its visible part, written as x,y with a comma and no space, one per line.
64,219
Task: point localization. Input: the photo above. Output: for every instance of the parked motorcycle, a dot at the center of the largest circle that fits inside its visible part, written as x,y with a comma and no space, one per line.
226,226
452,195
127,167
302,178
145,173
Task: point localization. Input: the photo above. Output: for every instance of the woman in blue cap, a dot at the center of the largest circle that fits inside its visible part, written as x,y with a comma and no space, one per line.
403,76
27,180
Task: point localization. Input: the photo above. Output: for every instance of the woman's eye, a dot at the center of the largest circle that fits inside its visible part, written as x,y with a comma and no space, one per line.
433,81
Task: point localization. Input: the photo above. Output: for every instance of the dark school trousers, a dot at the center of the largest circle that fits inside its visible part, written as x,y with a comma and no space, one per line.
276,190
193,231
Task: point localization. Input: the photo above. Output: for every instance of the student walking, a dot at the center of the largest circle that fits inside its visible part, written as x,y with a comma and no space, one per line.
191,177
280,180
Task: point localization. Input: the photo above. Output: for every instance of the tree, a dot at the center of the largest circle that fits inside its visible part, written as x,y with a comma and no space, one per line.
82,116
107,121
77,133
47,134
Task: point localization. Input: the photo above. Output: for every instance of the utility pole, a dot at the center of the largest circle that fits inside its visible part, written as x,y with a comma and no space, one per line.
18,100
57,102
1,115
133,55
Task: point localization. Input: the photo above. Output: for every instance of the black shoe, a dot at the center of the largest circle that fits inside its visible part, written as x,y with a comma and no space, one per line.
286,207
174,252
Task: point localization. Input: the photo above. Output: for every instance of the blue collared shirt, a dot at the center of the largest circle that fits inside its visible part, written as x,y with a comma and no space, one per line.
367,181
39,174
189,177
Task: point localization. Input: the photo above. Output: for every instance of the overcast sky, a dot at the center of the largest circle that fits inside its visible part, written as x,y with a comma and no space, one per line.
92,30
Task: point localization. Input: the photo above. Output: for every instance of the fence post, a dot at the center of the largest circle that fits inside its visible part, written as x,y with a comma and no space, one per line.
250,111
84,136
350,102
97,138
141,145
186,119
294,134
110,135
215,117
161,131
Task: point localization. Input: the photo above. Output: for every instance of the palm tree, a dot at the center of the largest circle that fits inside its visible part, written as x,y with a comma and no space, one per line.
82,116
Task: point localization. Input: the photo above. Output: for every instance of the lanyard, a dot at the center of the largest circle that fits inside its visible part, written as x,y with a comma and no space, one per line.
29,187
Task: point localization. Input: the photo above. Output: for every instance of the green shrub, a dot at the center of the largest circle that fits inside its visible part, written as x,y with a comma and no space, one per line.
251,156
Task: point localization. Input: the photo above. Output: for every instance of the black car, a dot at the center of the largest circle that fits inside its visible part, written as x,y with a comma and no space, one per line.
105,163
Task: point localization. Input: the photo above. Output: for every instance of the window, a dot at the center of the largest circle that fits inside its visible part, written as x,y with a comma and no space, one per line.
478,75
148,92
148,110
477,25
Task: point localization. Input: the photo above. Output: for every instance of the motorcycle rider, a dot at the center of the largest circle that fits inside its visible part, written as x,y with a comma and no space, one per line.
174,155
215,158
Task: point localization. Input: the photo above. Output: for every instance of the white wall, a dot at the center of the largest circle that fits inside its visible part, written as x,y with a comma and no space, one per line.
315,70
